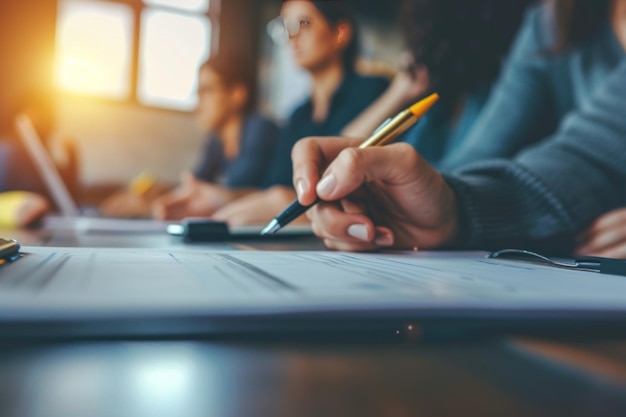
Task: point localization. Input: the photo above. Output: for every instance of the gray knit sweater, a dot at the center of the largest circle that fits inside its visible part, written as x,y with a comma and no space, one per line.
537,90
547,194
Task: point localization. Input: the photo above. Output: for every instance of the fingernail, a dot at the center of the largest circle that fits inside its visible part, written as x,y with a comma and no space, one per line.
326,185
385,239
358,231
301,188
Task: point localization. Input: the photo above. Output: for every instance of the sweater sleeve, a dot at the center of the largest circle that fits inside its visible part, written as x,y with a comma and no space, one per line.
519,109
550,192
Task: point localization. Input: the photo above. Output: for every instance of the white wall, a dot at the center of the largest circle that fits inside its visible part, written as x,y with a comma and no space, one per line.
116,142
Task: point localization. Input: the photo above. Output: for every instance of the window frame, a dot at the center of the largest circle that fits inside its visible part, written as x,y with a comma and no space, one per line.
137,7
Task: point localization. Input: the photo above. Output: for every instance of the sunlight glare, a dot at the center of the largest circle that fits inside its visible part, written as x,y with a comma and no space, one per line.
94,42
201,6
172,48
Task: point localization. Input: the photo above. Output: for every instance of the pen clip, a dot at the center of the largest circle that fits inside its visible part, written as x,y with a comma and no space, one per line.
382,125
522,254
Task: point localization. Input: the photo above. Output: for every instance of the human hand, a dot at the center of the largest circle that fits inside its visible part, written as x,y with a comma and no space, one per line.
411,82
376,197
258,208
125,204
606,237
193,198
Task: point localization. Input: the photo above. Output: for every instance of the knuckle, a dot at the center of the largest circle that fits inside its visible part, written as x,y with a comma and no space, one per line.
408,153
352,160
299,146
303,146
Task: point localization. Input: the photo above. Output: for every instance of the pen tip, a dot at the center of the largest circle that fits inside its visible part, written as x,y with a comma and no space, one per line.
422,106
271,228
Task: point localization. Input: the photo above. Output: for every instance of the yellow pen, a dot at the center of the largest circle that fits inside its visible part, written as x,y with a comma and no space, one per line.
386,133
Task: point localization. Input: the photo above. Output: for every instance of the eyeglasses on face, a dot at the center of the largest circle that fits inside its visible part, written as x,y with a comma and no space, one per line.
280,30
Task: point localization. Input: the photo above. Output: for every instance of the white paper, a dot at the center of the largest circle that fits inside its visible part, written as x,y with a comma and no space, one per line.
82,279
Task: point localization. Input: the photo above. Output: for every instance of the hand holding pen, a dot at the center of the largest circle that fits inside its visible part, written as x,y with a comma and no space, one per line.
386,133
378,197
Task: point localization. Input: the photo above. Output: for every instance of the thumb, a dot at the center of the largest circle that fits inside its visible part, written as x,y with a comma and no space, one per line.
396,164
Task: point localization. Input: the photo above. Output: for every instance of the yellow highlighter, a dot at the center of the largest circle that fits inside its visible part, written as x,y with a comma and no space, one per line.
140,185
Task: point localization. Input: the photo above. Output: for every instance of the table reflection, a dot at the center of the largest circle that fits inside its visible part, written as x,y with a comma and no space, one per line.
192,379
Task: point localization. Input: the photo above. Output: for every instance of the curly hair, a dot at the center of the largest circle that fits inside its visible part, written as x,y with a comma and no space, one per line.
461,42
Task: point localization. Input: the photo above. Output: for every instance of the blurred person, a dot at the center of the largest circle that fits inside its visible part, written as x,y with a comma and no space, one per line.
568,68
324,38
607,235
18,208
562,56
456,54
236,155
23,196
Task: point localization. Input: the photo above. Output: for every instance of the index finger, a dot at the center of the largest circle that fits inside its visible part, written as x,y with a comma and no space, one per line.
310,157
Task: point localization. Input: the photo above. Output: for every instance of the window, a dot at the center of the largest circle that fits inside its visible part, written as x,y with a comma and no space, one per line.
147,51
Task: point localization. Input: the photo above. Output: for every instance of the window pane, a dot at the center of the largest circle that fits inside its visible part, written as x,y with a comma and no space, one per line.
201,6
93,52
172,48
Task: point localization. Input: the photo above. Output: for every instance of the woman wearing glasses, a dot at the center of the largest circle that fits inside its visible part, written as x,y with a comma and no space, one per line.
323,36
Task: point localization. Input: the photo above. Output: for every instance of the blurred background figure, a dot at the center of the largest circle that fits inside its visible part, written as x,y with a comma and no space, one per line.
325,41
456,48
26,86
236,154
563,54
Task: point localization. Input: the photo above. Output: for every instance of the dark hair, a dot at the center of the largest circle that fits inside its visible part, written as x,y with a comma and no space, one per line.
337,12
234,70
461,42
577,21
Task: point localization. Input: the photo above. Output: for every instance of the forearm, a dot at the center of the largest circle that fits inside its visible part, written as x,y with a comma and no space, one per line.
388,104
501,205
232,194
551,192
